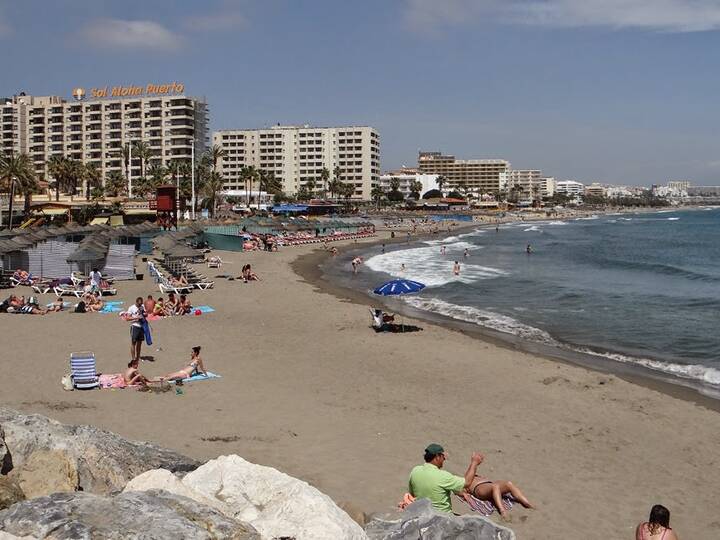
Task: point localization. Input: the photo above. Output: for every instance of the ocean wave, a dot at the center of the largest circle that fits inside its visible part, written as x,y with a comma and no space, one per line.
534,228
696,372
488,319
673,218
456,238
426,265
659,268
586,218
558,223
508,325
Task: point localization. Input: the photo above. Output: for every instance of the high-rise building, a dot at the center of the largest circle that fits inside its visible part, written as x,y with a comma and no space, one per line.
479,175
298,154
95,130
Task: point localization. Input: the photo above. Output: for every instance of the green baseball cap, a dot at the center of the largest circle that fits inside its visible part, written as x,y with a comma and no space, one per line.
434,449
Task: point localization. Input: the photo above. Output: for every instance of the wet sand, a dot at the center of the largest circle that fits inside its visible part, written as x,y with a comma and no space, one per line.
308,388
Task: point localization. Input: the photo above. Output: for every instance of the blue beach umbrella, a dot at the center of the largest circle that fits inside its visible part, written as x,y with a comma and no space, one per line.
399,286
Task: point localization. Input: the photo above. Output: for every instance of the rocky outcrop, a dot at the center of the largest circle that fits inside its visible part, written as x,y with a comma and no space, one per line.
134,515
46,472
104,461
10,492
276,504
421,520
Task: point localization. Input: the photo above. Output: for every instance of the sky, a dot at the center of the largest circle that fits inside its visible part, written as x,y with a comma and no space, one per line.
614,91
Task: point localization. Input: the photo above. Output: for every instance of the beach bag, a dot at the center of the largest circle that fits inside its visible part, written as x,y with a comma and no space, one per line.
67,382
80,308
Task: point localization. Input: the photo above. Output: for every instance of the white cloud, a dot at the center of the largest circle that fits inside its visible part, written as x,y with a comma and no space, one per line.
227,17
122,34
653,15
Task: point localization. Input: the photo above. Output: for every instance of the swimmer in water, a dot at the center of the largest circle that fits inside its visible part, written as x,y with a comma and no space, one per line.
442,250
528,249
466,254
456,268
402,268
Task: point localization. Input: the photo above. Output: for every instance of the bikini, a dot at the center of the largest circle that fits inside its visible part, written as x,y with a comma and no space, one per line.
479,484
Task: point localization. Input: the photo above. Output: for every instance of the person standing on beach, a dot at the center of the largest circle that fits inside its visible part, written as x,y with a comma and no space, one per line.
442,250
382,250
95,280
135,316
456,268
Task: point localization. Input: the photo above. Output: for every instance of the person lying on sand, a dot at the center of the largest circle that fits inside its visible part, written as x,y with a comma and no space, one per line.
56,306
493,491
179,282
32,307
195,367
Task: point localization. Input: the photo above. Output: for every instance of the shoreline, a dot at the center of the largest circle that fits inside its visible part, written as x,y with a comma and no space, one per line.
311,267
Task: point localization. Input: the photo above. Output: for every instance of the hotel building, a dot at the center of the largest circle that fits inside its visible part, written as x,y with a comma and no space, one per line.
569,187
95,130
297,154
479,175
531,183
407,176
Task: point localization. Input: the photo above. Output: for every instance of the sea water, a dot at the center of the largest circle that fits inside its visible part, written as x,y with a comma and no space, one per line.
639,289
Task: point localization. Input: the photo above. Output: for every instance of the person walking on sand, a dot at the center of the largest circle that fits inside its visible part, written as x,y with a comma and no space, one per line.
135,315
657,527
456,268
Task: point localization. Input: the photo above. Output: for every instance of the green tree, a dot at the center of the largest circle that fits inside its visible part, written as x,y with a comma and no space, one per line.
212,189
441,181
16,170
115,184
324,178
268,182
310,185
248,174
216,153
415,189
92,179
376,194
143,152
303,194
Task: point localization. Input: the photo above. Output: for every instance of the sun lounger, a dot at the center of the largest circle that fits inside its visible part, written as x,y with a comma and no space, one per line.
41,288
166,286
67,290
203,285
83,370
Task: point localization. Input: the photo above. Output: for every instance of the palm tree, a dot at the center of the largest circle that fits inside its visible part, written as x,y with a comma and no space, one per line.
115,184
157,174
142,150
18,168
441,181
215,154
248,174
57,168
92,178
376,194
415,188
324,177
211,188
268,182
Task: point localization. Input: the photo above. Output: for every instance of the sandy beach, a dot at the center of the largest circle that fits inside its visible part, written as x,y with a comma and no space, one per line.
307,387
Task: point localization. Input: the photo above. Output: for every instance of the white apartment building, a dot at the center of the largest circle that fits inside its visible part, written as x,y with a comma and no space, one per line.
569,187
478,175
406,178
95,130
297,154
596,190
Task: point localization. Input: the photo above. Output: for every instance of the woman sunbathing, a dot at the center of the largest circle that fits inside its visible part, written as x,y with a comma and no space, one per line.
195,367
493,490
179,282
57,305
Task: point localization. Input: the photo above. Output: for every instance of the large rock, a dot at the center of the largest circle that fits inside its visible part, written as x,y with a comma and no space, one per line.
5,457
138,515
46,472
421,520
105,462
276,504
10,492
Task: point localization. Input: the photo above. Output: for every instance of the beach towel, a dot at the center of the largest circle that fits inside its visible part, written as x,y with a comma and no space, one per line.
112,380
194,378
485,508
204,309
111,307
146,331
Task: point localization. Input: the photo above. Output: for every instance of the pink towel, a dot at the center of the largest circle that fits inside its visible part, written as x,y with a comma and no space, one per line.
112,380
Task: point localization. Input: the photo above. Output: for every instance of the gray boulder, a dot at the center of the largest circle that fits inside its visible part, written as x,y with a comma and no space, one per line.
129,516
421,521
104,461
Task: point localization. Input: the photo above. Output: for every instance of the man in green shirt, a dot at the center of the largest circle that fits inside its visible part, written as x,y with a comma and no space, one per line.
429,481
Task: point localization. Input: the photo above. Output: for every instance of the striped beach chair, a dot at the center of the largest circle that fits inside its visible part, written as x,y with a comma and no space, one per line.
83,370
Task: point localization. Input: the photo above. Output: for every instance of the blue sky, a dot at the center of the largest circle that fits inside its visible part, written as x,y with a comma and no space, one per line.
618,91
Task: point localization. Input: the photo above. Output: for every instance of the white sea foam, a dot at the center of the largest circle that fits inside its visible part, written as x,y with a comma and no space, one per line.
426,265
558,223
451,239
534,228
586,218
673,218
502,323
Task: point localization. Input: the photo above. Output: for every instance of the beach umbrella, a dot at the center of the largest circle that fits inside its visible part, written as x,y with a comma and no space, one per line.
180,251
398,287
